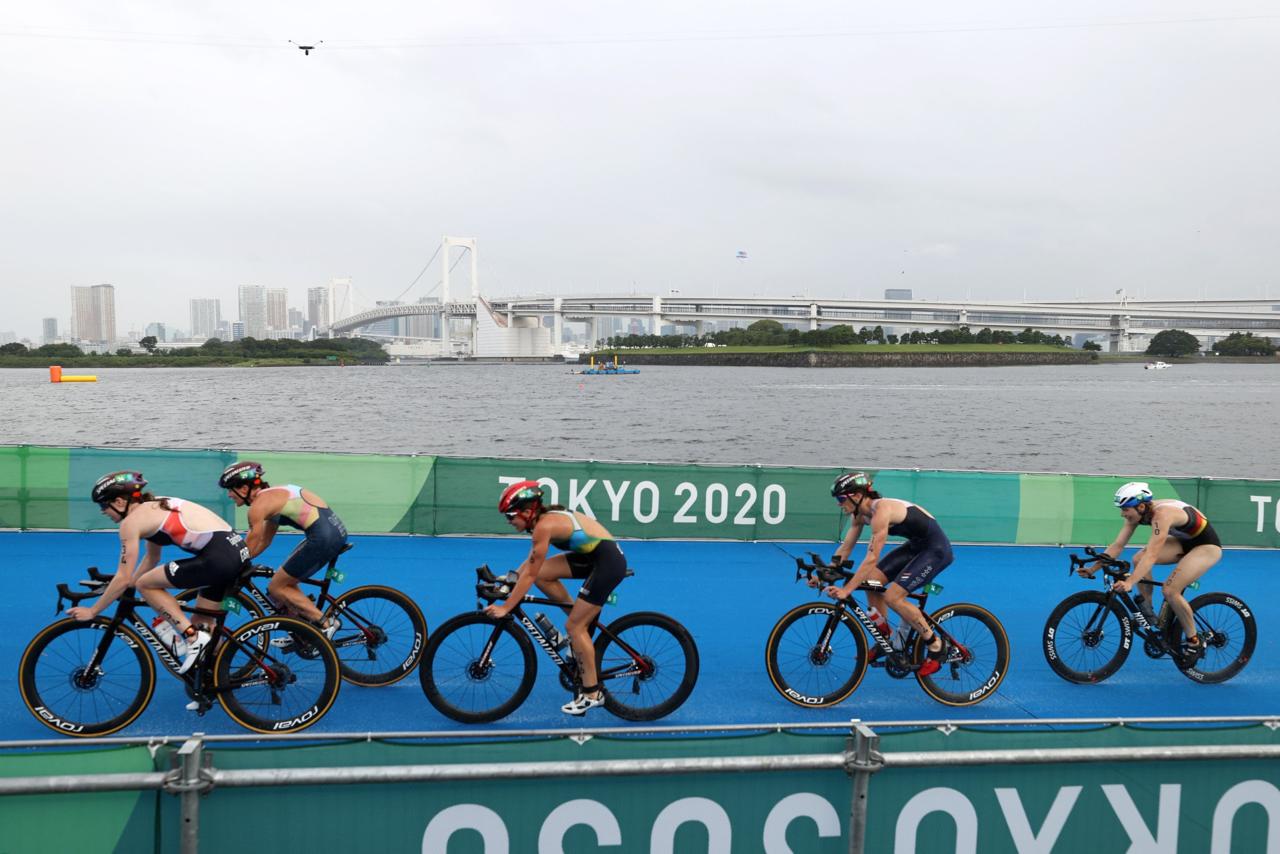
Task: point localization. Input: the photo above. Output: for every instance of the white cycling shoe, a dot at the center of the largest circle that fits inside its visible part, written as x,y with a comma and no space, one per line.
583,701
195,646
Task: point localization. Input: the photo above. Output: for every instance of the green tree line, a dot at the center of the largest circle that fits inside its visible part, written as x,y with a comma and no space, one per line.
771,333
347,350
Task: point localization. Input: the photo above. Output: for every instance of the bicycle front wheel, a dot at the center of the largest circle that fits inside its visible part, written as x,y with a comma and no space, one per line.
381,637
1228,631
476,669
816,655
1087,638
276,674
977,656
68,696
648,665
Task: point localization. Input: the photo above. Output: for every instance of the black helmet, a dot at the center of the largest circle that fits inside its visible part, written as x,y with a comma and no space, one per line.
111,486
851,482
243,473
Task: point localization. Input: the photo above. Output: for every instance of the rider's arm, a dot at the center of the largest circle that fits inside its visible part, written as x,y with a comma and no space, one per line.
528,572
846,545
1111,551
879,534
1122,540
125,574
262,528
1144,560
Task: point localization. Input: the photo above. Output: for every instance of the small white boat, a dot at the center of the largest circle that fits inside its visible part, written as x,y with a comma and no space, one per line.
1157,366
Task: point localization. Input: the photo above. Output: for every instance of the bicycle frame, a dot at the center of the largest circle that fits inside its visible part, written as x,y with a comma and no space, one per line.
832,575
1148,629
126,613
569,669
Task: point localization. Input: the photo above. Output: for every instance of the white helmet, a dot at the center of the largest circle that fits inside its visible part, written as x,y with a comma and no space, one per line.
1132,494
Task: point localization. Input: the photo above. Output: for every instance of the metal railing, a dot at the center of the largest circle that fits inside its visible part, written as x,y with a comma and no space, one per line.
195,776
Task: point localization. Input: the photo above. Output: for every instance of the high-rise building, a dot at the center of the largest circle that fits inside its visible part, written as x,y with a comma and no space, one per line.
318,307
297,323
50,334
237,330
93,313
206,314
157,330
278,309
253,311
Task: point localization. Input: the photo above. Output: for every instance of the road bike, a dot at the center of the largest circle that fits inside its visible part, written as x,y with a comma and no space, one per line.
477,669
817,656
96,677
1089,634
382,632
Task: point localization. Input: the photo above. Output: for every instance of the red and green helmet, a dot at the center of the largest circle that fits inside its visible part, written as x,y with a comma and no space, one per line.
520,495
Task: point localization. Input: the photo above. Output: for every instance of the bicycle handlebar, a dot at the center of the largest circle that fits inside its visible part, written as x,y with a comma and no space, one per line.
491,588
1111,567
829,574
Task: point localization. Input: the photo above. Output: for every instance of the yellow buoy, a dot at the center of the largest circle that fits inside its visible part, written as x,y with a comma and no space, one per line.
57,376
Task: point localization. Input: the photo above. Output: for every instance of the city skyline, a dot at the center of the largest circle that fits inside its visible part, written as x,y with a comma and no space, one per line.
993,151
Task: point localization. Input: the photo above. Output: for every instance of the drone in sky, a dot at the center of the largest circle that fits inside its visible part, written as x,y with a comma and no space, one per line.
306,48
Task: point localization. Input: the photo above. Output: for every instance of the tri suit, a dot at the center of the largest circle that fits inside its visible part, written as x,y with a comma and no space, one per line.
218,556
926,552
597,559
325,533
1196,532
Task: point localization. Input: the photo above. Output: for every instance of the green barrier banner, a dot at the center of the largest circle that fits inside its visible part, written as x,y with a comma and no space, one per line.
86,823
47,488
1186,807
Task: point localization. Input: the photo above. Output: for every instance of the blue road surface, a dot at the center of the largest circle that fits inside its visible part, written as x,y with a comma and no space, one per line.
729,595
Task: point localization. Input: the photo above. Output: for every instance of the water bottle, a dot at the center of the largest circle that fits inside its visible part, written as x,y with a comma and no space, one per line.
548,629
169,636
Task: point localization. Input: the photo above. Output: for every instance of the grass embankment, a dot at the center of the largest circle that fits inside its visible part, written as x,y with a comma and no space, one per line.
104,361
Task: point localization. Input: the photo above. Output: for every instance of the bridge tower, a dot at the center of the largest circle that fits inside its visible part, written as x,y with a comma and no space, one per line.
467,243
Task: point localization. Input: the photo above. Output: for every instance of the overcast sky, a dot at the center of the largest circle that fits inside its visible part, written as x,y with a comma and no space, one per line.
988,150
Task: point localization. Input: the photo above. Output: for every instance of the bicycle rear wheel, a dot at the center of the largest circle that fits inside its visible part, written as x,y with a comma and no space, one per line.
468,684
64,694
648,665
977,656
381,637
276,687
1228,631
816,655
1086,639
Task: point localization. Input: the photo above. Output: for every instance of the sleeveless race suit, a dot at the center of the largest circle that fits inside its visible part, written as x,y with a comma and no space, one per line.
597,559
219,556
325,533
1196,532
926,552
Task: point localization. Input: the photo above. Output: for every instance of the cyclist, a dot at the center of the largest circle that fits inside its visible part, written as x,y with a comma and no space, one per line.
1180,535
219,554
589,552
905,569
273,506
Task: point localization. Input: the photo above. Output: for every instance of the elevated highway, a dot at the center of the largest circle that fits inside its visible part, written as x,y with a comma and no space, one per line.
1124,325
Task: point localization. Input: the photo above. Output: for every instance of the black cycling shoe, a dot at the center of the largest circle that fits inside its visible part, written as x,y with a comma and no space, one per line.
1192,652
